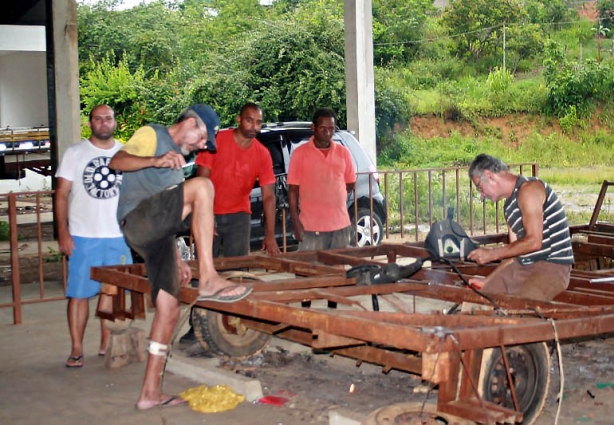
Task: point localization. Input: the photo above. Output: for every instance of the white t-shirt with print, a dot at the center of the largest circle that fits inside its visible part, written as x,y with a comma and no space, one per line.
92,203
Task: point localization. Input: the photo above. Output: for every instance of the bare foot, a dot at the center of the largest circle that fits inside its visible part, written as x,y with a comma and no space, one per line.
163,401
103,347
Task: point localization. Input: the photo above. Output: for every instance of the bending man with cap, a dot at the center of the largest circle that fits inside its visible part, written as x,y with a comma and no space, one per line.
154,205
537,261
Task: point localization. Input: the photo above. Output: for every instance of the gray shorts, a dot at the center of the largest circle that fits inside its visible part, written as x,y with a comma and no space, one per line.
540,281
341,238
150,229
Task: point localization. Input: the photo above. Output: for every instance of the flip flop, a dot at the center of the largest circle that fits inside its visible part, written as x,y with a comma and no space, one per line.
217,297
169,402
74,361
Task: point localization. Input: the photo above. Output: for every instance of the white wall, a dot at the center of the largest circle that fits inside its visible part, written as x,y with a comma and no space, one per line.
22,38
23,89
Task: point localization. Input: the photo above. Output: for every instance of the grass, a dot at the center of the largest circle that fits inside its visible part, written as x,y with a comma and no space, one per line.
577,177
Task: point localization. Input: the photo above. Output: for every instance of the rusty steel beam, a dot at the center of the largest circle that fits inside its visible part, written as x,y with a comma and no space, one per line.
376,355
593,249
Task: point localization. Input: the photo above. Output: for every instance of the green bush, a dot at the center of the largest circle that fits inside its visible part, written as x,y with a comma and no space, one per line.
605,9
4,231
575,84
391,106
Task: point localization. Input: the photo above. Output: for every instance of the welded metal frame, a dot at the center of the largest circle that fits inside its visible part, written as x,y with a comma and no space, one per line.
436,346
445,349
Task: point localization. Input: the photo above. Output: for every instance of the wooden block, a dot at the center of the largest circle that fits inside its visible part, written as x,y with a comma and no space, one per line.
125,346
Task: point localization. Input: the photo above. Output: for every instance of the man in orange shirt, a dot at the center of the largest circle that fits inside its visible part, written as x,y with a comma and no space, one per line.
320,177
239,162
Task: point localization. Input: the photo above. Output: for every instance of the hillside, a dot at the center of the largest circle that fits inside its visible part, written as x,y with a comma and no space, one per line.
514,128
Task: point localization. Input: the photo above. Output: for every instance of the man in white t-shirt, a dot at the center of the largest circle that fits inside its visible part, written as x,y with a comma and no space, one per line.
87,193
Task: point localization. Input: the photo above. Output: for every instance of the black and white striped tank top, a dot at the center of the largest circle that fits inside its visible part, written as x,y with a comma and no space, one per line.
556,239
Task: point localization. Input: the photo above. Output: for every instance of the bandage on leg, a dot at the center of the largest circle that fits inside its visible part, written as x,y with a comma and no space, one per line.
156,349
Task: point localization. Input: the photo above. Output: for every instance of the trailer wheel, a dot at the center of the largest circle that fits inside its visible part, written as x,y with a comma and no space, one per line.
222,334
530,371
412,413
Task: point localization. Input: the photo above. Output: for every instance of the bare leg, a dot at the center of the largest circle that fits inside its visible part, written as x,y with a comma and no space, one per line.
105,303
77,312
167,314
198,200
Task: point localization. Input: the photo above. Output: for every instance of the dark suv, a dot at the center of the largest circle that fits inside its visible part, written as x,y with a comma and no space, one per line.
281,139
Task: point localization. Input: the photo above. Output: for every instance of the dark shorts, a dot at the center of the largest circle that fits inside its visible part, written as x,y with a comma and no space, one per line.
540,281
150,229
232,234
341,238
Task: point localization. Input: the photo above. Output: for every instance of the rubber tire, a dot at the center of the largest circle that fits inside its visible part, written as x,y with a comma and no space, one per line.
531,391
222,334
364,236
410,413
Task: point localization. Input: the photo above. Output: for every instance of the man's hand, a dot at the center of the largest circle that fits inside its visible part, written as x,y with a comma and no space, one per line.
66,243
170,159
185,273
483,255
269,245
299,230
476,282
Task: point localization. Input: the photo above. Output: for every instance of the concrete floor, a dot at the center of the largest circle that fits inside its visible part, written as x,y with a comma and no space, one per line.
36,387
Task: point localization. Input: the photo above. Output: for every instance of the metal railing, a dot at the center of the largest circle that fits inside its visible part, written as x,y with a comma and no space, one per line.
20,246
415,199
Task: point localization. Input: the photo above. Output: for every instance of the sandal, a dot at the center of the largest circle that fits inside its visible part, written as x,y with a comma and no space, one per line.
74,361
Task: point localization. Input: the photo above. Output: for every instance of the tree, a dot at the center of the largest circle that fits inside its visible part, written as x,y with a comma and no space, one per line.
146,35
550,11
477,24
605,8
395,24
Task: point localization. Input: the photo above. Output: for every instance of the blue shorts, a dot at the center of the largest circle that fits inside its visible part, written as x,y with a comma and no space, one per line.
93,252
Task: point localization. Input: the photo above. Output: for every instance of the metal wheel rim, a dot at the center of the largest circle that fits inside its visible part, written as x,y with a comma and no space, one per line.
524,376
365,228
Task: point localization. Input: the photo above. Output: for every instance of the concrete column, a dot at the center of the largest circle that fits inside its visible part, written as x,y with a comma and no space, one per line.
65,57
359,79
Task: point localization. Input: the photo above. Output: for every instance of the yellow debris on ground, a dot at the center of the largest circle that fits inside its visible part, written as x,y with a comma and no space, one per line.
212,399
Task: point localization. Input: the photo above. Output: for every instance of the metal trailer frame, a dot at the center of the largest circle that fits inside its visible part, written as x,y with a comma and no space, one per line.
444,349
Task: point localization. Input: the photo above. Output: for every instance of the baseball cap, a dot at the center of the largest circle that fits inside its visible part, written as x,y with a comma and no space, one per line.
211,120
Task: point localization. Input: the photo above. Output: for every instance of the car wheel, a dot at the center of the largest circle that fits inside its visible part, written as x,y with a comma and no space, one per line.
530,371
226,335
368,232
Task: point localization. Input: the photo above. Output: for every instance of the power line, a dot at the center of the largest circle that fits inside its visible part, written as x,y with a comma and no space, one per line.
428,40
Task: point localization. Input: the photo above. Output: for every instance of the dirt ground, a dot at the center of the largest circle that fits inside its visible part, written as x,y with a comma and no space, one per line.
310,384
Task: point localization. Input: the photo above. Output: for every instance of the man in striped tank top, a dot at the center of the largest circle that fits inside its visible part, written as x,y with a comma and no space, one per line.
537,262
